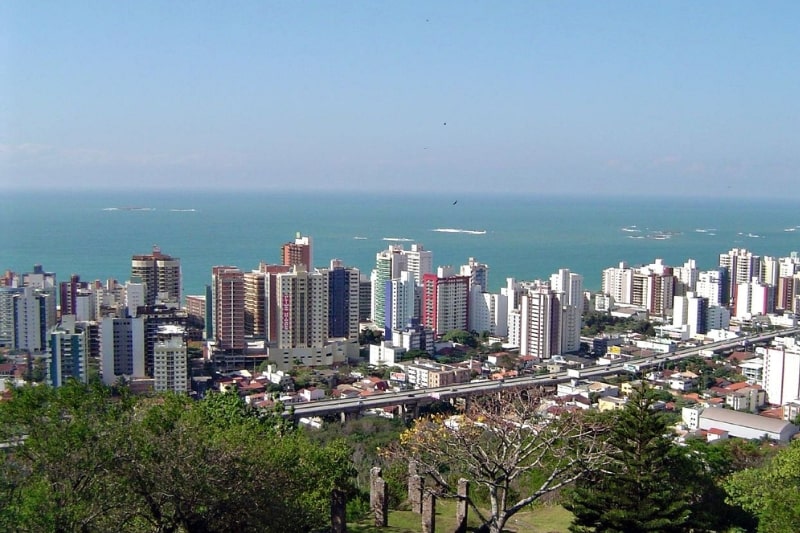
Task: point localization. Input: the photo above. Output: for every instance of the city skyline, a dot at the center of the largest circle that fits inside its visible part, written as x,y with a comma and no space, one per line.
622,98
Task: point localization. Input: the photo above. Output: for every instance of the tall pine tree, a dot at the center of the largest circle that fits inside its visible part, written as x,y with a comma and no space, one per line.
637,492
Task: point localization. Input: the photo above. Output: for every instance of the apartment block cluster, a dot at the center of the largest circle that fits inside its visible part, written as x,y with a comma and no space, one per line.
291,314
136,330
745,289
414,305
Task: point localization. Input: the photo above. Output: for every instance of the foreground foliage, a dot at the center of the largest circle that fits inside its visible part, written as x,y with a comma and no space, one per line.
86,461
771,491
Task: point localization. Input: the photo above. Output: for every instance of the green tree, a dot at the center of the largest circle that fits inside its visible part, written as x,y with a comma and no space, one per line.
85,461
461,337
638,491
771,492
369,336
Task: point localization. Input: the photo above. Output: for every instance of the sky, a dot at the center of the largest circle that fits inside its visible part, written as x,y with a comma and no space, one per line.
539,97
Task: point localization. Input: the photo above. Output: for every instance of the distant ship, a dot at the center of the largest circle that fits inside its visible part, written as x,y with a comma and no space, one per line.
360,238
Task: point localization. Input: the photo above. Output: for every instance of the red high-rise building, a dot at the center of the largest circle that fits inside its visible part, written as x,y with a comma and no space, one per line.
298,252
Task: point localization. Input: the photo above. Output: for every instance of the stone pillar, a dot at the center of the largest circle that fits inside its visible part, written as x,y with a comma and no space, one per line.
338,511
429,512
462,506
415,487
378,499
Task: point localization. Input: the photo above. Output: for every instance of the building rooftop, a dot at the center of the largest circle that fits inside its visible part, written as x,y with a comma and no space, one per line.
747,420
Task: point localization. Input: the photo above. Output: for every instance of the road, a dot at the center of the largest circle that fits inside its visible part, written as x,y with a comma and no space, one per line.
419,397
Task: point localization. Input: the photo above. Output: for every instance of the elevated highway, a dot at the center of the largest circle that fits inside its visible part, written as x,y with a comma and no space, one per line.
413,399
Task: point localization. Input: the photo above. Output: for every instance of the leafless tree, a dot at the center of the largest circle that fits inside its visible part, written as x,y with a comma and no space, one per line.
508,444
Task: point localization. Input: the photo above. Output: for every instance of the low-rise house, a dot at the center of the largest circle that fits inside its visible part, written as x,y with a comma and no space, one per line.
682,381
610,403
791,410
587,389
747,398
753,370
715,434
629,386
311,394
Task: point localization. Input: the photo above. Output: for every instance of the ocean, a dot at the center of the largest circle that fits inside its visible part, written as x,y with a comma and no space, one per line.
526,237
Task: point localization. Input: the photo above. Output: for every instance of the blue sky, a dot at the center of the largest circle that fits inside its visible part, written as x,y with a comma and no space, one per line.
532,96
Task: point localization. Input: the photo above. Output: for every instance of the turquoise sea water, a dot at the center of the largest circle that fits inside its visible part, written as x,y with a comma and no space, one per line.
526,237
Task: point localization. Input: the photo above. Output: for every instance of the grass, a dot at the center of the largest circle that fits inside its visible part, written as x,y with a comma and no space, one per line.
541,519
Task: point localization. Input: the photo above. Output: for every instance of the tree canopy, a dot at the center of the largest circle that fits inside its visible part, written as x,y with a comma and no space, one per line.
84,460
771,491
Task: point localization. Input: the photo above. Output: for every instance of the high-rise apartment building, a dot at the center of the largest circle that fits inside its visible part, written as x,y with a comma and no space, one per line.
618,283
302,305
343,300
691,311
171,371
540,317
122,348
478,274
418,261
228,309
568,287
255,304
782,373
161,275
488,312
686,277
741,267
400,306
270,290
388,265
32,316
445,301
298,252
69,353
754,298
711,284
7,315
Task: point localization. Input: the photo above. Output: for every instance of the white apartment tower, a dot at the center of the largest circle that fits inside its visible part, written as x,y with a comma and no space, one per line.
170,361
569,288
488,312
691,311
742,267
711,285
686,277
782,373
754,298
540,323
478,274
419,262
618,283
401,307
